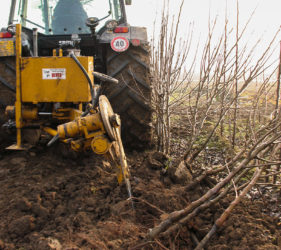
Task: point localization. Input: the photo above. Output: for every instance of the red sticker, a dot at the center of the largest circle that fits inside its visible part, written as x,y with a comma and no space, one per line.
119,44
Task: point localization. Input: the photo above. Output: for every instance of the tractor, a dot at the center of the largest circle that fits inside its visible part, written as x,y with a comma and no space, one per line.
63,65
86,28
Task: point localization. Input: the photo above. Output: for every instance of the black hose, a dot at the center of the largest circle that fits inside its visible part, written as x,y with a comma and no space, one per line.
93,94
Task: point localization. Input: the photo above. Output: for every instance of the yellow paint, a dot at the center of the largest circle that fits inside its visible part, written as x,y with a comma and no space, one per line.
29,113
50,131
100,145
74,88
81,126
7,47
77,145
81,107
74,114
10,112
68,84
120,176
18,104
69,114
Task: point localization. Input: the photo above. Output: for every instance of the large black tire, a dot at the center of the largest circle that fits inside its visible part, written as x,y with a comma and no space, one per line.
7,92
131,98
8,97
7,80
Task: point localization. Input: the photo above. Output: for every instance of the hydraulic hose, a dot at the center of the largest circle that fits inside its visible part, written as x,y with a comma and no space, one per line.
93,92
94,95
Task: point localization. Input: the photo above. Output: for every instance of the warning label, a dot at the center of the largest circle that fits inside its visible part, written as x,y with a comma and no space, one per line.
53,74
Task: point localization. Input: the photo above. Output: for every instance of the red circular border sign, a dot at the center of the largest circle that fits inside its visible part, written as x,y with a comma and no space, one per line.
122,49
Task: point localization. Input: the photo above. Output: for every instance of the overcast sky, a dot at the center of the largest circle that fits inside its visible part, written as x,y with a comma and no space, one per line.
142,12
267,16
265,22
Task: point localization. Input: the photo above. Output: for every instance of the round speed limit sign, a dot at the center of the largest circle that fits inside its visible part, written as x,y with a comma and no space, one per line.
119,44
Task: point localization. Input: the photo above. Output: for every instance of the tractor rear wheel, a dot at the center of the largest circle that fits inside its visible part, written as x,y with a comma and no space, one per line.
7,91
131,98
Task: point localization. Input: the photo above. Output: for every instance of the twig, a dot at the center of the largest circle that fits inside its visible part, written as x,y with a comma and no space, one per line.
178,215
149,204
161,245
233,182
271,174
271,162
269,184
194,238
262,165
141,245
204,206
200,178
219,222
259,190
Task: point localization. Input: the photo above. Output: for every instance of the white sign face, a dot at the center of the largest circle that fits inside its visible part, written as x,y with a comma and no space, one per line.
66,43
53,74
119,44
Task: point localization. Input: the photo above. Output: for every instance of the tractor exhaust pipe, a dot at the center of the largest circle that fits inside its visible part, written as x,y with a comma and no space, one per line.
35,42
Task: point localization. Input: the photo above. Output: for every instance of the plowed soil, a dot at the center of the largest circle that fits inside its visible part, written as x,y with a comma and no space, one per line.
52,202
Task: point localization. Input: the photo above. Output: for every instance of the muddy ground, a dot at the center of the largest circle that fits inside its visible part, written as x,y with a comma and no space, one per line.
51,202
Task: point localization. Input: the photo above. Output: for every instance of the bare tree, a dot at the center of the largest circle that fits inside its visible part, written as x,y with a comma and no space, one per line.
177,219
170,77
220,76
227,69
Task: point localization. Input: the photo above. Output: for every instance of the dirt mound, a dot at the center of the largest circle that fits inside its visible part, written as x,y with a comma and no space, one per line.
50,202
248,228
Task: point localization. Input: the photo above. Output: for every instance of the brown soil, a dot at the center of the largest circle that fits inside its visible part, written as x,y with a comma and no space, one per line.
7,97
51,202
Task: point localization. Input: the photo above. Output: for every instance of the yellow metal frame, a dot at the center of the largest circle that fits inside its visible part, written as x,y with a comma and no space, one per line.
29,87
55,79
7,47
18,104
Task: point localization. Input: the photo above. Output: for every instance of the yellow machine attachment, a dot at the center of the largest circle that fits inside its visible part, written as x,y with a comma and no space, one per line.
57,81
100,132
66,85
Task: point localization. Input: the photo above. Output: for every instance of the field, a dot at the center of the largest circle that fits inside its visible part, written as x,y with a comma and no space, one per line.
201,123
49,201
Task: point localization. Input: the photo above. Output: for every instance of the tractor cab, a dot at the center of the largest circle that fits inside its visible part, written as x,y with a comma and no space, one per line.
89,26
97,33
60,17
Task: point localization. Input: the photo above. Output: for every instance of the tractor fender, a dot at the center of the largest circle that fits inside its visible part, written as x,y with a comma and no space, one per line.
135,33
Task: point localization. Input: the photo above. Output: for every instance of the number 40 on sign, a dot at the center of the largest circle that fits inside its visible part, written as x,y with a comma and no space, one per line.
120,44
